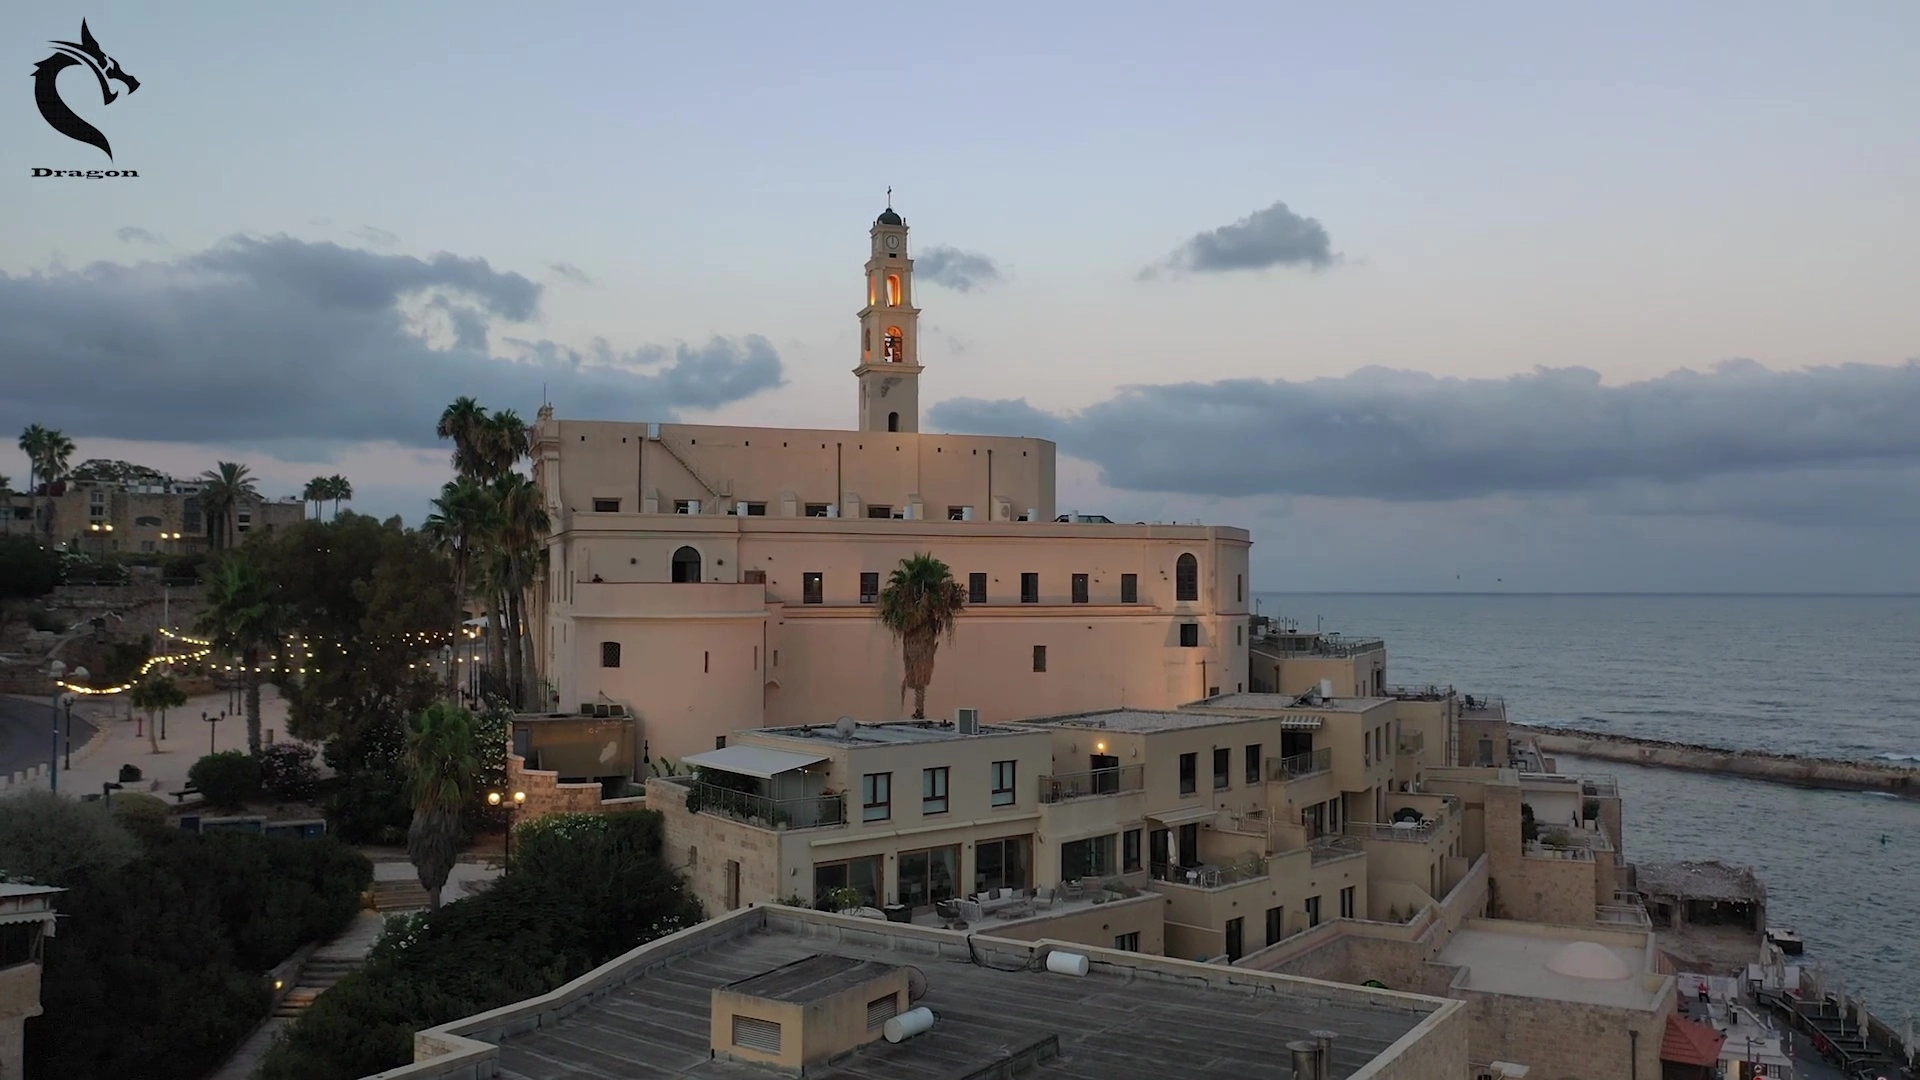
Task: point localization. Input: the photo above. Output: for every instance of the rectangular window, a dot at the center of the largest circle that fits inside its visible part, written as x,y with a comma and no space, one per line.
753,577
755,509
812,588
1346,902
1239,588
879,511
1129,588
1092,857
869,587
719,742
1130,851
1313,911
1276,924
1189,635
1079,588
1029,588
1236,938
1253,763
816,510
752,1033
1222,768
1237,639
1127,942
243,521
959,513
882,1009
606,506
976,588
609,654
1189,773
683,506
876,796
1003,776
933,790
1039,658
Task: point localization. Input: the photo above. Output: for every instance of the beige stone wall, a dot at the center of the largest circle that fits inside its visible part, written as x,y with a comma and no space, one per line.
546,794
1567,1039
1472,731
1098,926
20,990
702,846
139,520
1556,891
1436,1050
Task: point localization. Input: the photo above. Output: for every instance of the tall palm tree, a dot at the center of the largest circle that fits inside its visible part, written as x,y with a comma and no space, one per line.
339,489
919,605
156,694
49,452
506,441
228,485
462,517
523,525
316,493
443,763
465,422
241,618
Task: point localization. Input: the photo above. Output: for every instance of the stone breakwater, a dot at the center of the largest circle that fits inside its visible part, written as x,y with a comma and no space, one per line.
1831,773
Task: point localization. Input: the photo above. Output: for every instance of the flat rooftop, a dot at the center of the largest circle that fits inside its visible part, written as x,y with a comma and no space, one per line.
1136,720
813,978
1152,1018
1535,961
1280,703
888,733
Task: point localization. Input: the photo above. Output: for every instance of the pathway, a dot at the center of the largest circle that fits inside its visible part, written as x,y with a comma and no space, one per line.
329,963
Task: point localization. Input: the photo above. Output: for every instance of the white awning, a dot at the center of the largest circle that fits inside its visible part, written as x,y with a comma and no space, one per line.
752,760
1301,723
1184,815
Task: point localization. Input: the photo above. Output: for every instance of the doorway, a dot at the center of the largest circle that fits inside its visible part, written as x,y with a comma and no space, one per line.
1106,774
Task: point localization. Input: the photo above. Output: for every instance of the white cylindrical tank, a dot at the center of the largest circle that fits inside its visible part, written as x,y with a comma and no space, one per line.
1033,514
833,510
1326,688
908,1024
966,513
1067,963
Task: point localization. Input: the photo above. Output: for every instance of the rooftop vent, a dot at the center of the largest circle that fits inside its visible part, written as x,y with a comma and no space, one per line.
809,1011
966,721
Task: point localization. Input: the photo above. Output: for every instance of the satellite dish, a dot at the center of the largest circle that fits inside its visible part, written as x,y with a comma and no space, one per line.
845,726
916,983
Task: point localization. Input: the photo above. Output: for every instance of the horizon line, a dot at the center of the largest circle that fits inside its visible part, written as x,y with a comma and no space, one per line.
1549,592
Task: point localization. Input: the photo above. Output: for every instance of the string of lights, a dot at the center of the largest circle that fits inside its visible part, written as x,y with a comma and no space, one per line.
203,648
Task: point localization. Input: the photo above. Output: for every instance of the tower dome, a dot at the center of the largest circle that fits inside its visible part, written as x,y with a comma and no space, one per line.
888,217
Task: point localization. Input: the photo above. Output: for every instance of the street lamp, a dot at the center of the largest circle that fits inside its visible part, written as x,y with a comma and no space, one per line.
54,671
513,804
213,727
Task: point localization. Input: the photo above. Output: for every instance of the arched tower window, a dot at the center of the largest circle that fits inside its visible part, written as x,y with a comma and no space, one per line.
866,344
893,290
686,565
873,289
896,345
893,421
1186,579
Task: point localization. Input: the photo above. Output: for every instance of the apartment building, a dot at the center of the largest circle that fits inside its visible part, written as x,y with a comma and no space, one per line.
150,514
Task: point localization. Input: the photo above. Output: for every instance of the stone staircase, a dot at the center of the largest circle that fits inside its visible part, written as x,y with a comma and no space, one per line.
319,975
406,895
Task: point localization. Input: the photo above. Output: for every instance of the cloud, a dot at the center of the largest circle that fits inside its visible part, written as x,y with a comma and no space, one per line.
277,341
569,272
377,236
1275,236
962,271
1407,436
130,234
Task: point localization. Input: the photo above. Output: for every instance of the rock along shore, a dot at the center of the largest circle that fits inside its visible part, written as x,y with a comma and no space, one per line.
1831,773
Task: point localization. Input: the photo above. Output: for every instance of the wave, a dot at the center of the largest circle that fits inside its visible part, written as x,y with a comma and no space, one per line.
1897,757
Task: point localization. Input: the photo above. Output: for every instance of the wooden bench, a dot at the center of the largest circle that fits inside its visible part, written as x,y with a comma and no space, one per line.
181,795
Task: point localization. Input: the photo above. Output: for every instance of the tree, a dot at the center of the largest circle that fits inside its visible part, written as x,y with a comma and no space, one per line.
157,693
228,485
463,516
339,489
28,568
522,527
441,765
48,453
50,839
465,422
316,493
241,617
919,605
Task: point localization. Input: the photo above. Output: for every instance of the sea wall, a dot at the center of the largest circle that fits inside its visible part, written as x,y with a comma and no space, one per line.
1810,772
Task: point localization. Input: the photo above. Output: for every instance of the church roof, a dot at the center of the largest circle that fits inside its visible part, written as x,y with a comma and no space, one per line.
888,217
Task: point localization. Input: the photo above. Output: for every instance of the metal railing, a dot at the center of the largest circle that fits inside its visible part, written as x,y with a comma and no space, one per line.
1419,693
1081,785
807,813
1537,850
1417,832
1482,703
1299,765
1413,742
1210,877
1338,650
1622,915
1326,849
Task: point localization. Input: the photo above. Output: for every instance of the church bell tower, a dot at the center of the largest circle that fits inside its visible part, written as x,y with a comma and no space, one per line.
889,371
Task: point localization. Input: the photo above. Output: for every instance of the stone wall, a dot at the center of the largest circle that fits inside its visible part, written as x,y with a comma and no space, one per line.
1752,764
1432,1051
1097,926
547,795
701,846
1558,1039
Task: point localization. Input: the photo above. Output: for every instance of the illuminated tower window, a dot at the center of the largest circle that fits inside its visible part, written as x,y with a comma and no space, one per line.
896,345
893,290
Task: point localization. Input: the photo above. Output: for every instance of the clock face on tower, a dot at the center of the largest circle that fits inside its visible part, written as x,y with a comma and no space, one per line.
893,242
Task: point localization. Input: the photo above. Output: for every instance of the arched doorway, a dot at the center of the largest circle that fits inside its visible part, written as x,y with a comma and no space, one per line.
686,565
893,421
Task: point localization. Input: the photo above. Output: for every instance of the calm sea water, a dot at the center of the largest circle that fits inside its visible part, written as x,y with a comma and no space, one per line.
1830,676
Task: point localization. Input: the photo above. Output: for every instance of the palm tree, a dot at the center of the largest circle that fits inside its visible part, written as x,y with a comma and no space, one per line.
523,525
48,454
339,489
241,617
442,764
465,422
156,693
462,517
228,485
316,493
919,606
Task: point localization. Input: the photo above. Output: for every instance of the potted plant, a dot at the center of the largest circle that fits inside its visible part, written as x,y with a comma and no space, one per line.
843,899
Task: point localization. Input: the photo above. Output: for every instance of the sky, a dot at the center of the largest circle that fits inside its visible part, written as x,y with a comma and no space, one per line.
1486,296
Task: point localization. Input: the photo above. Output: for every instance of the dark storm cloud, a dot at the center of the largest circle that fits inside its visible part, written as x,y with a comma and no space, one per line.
569,272
963,271
131,234
263,340
1275,236
1400,435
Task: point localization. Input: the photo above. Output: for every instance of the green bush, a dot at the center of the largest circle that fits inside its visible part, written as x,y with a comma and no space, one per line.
140,814
227,779
370,807
28,568
287,771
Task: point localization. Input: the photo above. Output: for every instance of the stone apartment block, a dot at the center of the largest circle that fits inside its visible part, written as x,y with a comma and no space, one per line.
164,517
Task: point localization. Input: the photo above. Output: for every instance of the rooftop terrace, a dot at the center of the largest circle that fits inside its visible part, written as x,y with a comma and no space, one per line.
1281,703
889,733
1143,722
1587,966
1132,1015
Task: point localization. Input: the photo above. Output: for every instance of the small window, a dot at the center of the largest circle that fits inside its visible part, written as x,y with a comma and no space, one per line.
933,790
1346,902
606,506
881,1010
243,521
1313,911
1029,588
1276,924
609,654
683,506
756,509
1003,776
976,588
893,421
753,577
876,796
147,521
685,566
1186,579
1189,635
1239,588
816,510
812,588
1189,773
1039,658
753,1033
1253,763
1079,588
879,511
1127,942
869,587
1130,851
1236,634
1129,588
1222,768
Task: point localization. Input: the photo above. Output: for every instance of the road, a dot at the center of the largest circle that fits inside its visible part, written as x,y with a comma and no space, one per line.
25,736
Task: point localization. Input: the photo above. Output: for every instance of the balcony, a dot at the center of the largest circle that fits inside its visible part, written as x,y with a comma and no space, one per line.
1622,915
1413,743
1207,876
1082,785
815,812
1300,765
1329,646
1326,849
1483,707
1413,832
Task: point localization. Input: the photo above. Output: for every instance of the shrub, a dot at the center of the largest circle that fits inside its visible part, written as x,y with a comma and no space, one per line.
51,840
287,771
371,807
227,779
140,814
1589,809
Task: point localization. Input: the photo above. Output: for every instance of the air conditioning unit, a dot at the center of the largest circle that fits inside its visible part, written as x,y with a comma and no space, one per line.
966,721
616,710
586,708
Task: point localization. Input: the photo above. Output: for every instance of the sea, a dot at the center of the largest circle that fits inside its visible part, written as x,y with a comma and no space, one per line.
1828,676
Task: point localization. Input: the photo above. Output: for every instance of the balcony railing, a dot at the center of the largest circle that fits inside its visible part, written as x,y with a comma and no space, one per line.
1299,765
1416,832
809,813
1333,649
1413,742
1211,877
1487,705
1622,915
1081,785
1420,693
1326,849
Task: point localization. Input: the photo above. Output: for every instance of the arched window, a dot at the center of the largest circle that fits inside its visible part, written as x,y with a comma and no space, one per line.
873,290
686,565
1186,579
893,421
896,345
893,290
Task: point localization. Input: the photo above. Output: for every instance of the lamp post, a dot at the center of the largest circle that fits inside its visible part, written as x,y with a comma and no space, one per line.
213,728
513,804
56,670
